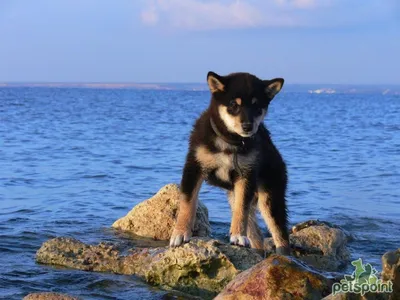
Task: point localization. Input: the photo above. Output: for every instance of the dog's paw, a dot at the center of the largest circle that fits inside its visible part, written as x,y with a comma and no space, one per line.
240,240
283,251
179,237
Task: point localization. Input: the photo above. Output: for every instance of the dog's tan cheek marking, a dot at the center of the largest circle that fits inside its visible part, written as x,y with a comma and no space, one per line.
239,219
238,101
273,228
237,122
232,123
187,209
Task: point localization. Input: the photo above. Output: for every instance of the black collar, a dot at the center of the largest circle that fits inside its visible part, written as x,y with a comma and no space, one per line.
237,143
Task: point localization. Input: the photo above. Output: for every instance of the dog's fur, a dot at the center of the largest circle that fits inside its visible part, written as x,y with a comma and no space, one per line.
258,175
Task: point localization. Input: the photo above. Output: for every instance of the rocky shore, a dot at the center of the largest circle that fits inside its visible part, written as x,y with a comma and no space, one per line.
208,268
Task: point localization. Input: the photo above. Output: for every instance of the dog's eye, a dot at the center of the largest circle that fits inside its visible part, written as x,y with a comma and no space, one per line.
233,104
233,107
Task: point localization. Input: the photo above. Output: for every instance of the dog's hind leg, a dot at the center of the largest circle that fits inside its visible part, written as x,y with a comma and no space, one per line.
254,232
190,187
253,229
273,209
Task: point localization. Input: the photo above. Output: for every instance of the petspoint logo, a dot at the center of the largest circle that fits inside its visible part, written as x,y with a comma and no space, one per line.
362,281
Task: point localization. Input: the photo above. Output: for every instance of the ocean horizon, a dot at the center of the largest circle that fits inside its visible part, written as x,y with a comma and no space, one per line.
319,88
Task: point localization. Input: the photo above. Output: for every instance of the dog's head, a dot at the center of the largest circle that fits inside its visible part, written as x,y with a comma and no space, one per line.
242,100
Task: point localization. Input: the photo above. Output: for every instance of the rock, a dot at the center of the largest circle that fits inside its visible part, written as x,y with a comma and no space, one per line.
350,237
277,277
49,296
391,271
156,217
319,244
202,267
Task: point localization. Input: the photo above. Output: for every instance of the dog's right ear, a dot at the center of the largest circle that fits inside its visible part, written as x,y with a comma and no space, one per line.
215,82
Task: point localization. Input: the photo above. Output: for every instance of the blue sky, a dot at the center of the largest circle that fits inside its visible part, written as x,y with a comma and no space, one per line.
304,41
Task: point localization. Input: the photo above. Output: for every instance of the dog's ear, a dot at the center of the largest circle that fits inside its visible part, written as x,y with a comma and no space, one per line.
273,86
215,82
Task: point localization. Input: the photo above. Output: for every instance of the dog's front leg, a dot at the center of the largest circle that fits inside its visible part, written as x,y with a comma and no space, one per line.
254,232
190,187
244,189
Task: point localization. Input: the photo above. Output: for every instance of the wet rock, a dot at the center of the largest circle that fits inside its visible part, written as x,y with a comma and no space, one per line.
309,223
49,296
319,244
202,267
391,271
277,277
156,217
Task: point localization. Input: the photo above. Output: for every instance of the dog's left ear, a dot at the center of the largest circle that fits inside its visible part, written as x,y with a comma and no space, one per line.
273,87
215,82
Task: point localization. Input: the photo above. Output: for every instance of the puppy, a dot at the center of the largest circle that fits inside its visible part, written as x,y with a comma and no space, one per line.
231,148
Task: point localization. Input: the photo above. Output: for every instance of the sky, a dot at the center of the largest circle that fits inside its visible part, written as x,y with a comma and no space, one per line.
303,41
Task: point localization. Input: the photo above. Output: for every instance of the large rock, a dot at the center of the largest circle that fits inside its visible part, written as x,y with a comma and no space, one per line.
156,217
391,271
202,267
277,277
49,296
319,244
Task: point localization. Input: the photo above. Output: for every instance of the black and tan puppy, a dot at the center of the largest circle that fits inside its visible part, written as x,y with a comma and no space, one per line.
231,148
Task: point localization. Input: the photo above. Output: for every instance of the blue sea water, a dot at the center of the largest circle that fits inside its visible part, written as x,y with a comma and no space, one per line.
72,161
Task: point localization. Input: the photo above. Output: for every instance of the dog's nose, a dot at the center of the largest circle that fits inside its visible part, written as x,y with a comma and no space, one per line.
247,127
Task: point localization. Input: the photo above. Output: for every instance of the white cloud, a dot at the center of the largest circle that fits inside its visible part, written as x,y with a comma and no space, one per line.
228,14
202,15
195,14
309,4
299,3
150,16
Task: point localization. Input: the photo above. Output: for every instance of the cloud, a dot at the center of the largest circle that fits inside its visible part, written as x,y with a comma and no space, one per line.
231,14
150,16
303,4
203,15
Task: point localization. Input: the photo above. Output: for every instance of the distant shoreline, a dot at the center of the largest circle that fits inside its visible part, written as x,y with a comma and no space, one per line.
388,89
84,85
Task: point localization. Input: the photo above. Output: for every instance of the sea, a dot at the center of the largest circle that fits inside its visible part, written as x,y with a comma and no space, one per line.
73,159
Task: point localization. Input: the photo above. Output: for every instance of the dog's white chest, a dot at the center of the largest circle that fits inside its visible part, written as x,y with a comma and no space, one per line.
225,166
222,163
